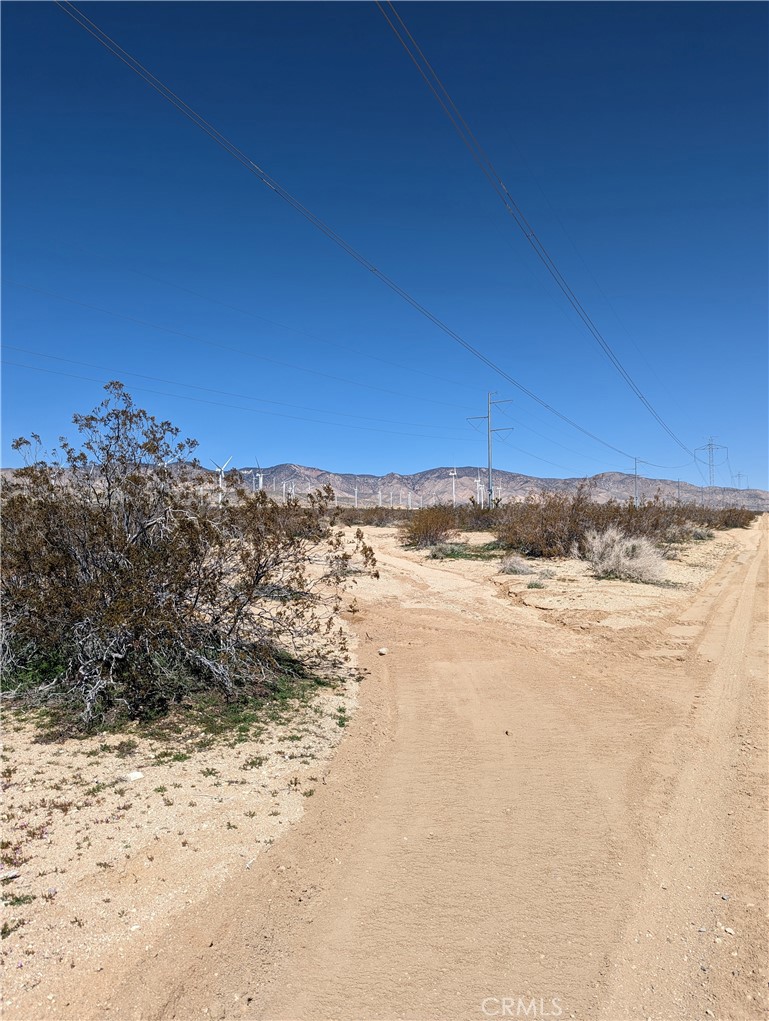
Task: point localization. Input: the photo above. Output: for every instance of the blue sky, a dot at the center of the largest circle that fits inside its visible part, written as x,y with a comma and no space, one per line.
632,136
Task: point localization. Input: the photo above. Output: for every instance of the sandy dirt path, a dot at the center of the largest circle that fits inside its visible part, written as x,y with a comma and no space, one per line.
526,811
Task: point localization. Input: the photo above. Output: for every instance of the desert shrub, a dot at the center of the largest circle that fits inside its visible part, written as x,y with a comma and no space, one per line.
612,554
515,565
547,525
129,585
700,534
471,517
376,517
429,526
556,524
733,517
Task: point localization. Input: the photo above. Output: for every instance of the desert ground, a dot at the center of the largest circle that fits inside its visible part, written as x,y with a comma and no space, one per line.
539,802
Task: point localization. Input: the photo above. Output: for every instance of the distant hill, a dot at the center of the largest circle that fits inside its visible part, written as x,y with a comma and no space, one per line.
435,486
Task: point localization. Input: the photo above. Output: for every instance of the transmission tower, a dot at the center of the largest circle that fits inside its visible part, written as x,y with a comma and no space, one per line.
711,446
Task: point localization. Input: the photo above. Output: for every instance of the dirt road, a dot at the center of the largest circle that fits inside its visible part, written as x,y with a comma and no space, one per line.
540,810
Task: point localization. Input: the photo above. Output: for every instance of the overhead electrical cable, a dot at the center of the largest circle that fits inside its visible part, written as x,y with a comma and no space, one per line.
548,439
357,352
480,156
287,197
222,393
237,407
257,411
235,350
667,467
175,332
544,460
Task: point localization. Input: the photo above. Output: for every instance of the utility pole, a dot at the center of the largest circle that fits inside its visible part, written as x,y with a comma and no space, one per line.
488,431
635,481
489,435
453,474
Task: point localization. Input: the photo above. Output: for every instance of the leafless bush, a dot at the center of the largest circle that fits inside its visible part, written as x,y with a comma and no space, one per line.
612,554
126,587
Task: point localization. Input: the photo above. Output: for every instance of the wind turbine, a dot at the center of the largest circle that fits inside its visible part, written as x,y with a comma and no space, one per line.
453,474
258,474
220,469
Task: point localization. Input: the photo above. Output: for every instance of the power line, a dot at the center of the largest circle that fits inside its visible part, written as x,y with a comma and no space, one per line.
227,347
221,393
476,150
563,446
258,411
236,407
108,43
304,333
667,467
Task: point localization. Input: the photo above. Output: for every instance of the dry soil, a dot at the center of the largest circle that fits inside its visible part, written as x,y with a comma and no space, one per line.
550,802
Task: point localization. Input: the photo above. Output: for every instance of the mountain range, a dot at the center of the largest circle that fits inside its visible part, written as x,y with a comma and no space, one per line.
442,485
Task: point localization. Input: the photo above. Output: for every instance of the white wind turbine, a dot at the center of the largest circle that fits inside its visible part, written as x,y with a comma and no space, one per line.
220,469
453,474
258,474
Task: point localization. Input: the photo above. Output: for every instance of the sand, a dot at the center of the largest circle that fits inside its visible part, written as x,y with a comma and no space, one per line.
544,796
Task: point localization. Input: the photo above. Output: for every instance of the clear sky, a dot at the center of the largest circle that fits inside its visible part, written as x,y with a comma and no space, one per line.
632,136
